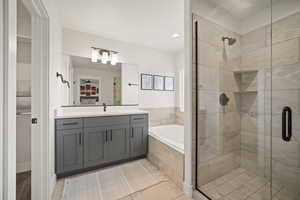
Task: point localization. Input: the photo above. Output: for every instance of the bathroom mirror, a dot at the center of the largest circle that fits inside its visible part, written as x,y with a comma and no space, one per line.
93,83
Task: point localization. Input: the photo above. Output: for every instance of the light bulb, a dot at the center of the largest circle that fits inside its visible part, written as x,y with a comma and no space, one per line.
114,59
95,55
104,58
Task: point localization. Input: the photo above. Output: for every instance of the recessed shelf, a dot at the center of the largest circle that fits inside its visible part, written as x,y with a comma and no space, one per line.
246,92
245,71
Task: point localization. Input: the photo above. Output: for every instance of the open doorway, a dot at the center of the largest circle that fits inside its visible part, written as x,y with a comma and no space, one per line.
23,95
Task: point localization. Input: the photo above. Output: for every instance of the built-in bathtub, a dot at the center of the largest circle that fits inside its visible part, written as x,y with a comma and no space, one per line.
166,150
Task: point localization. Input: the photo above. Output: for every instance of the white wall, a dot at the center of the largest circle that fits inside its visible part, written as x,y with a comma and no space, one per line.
179,62
148,61
56,88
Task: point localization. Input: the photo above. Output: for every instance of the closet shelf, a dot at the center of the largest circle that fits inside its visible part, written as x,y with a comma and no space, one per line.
24,38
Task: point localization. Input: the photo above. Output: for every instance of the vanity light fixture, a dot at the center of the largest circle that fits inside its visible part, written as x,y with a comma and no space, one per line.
105,56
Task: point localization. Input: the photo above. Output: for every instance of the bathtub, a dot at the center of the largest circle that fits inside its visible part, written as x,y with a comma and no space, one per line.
166,151
171,135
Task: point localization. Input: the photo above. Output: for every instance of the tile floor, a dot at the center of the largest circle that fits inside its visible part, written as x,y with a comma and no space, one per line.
137,180
241,184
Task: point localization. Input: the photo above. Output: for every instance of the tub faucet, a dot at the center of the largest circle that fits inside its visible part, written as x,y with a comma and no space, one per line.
104,107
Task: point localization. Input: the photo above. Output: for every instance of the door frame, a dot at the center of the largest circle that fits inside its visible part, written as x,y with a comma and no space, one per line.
40,175
8,99
40,66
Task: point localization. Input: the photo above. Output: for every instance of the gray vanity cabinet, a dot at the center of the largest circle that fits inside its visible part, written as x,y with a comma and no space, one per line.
94,145
88,143
69,150
139,135
117,143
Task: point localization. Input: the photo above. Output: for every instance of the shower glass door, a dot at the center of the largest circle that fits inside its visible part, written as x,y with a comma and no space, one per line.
285,99
232,56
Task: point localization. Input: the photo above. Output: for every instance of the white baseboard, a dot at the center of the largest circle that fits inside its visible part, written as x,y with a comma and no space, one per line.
188,189
23,167
52,185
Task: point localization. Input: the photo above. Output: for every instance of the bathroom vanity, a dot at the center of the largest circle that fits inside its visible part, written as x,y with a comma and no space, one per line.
90,142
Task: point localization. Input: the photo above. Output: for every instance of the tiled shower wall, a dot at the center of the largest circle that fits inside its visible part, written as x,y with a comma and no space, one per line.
239,134
219,146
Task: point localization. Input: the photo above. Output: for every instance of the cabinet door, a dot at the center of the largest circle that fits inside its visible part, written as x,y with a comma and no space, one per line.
94,144
138,140
68,150
117,146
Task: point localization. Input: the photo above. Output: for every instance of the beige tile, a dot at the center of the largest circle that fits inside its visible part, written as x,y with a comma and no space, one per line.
286,52
137,176
113,184
82,187
162,191
183,197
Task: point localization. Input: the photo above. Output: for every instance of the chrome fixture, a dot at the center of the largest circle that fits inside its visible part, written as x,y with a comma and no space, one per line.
58,75
104,107
231,41
104,56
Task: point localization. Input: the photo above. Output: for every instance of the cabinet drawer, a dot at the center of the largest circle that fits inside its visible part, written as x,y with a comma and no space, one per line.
137,119
62,124
105,121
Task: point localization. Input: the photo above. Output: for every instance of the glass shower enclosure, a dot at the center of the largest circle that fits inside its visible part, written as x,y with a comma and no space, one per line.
246,64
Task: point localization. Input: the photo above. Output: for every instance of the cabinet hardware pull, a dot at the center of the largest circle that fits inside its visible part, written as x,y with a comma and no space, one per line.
80,139
132,136
111,135
287,110
69,124
105,136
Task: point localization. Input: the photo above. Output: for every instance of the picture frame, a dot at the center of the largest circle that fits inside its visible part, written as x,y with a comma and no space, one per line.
146,82
169,83
158,82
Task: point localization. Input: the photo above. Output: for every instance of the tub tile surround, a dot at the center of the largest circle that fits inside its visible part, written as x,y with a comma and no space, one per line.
167,159
253,107
164,116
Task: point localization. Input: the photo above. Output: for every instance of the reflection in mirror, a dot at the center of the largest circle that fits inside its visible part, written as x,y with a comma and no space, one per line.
94,83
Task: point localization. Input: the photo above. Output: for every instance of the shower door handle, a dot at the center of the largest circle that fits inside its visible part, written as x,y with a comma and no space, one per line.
287,124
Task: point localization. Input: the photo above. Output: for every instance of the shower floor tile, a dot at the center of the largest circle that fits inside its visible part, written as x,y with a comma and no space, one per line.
241,184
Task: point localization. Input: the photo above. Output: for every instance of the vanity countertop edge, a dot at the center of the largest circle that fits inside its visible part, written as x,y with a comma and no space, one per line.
102,114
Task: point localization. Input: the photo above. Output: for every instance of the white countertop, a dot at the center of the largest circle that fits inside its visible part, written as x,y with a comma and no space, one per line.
97,112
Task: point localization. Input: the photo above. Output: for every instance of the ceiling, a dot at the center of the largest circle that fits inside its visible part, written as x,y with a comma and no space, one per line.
241,9
142,22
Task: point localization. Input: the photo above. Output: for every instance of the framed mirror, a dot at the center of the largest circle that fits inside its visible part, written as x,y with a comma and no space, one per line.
169,83
158,82
146,82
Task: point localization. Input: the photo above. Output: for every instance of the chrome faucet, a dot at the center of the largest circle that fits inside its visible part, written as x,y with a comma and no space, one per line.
104,107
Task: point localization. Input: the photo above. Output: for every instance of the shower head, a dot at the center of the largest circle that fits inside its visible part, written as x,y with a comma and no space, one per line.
231,41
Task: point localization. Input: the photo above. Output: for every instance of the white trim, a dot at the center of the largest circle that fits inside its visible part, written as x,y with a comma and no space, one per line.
188,97
9,99
41,177
1,97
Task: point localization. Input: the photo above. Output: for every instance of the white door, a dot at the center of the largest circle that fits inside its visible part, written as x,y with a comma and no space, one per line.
130,84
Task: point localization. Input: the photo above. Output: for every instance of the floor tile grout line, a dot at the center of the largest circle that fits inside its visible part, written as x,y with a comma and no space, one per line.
99,186
127,182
